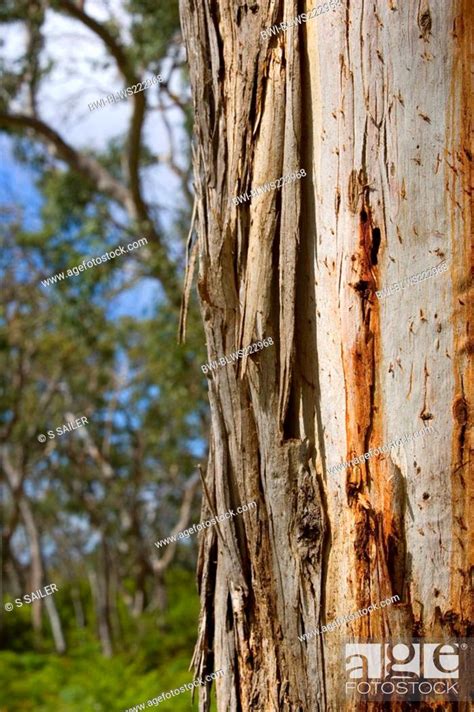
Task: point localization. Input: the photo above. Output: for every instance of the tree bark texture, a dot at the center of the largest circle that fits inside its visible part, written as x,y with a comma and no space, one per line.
372,100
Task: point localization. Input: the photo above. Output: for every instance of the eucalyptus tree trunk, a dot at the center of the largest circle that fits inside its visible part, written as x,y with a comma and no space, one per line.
100,589
36,564
371,99
37,579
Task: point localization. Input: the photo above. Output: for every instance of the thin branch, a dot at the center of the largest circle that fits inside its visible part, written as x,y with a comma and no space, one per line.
14,477
130,197
90,168
177,101
85,165
92,450
120,381
169,160
161,564
167,269
35,43
112,44
188,277
128,72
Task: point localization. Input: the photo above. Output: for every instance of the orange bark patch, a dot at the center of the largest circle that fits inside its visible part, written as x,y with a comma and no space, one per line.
459,194
362,409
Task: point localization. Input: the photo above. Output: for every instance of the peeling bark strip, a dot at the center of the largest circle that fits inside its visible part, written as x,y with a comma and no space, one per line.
358,101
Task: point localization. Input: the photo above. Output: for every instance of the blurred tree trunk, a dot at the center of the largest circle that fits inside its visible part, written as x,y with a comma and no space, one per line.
373,104
36,569
55,623
160,565
15,478
99,583
114,592
160,598
37,579
78,607
13,571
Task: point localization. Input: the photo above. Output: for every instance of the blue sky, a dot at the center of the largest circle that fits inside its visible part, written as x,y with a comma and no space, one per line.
17,188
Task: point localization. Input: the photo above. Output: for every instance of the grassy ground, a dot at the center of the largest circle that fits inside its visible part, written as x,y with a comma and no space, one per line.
154,658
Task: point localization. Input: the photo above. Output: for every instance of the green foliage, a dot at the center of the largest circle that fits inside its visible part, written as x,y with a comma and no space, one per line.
153,659
68,348
14,10
154,25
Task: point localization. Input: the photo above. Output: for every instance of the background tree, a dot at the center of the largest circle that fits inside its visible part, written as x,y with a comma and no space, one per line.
372,101
83,510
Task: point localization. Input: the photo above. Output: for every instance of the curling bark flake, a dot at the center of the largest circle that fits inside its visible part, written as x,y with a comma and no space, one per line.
372,101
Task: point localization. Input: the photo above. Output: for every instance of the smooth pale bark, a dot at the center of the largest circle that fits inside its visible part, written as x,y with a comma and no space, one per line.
372,100
36,567
37,579
55,622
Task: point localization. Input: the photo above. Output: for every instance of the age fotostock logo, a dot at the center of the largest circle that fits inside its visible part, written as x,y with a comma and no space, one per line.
406,671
